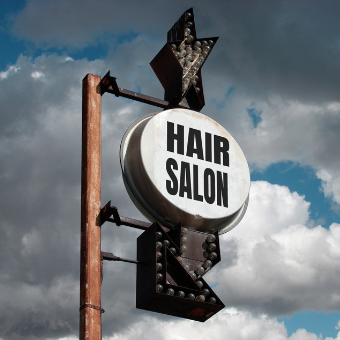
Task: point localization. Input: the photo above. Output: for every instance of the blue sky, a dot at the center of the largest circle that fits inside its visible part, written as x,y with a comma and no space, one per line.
303,180
272,81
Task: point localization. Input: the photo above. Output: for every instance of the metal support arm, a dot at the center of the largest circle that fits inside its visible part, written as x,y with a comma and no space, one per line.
111,257
110,214
109,84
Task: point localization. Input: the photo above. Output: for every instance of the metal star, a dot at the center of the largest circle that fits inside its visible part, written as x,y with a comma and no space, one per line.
178,64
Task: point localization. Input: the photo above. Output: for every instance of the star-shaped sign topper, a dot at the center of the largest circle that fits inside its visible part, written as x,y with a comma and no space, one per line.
178,64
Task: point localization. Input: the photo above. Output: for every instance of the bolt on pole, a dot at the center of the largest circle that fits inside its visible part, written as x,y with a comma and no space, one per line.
90,257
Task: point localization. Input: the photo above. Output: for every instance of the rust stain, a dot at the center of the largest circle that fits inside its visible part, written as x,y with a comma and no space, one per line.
90,259
197,312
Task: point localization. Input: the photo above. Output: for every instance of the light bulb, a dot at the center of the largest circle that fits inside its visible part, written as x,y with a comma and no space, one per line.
211,238
200,298
158,235
186,80
199,283
159,277
199,271
188,64
184,231
184,88
197,89
212,256
166,243
204,42
206,292
207,264
193,275
159,255
198,64
196,77
185,69
187,15
159,245
188,57
187,31
212,300
184,248
191,296
198,50
204,53
189,24
184,240
186,267
181,294
200,59
159,288
210,42
182,46
182,53
159,266
182,62
194,55
170,291
196,44
173,47
173,250
189,39
194,82
176,53
189,50
206,48
211,247
189,74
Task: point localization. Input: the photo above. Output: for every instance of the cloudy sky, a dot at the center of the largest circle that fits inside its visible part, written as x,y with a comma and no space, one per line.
272,80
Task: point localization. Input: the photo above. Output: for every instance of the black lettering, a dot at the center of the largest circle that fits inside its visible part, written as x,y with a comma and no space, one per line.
171,186
185,180
209,173
171,136
208,156
197,197
221,146
222,189
195,143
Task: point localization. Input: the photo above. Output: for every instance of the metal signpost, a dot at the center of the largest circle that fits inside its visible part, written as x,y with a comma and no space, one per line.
181,169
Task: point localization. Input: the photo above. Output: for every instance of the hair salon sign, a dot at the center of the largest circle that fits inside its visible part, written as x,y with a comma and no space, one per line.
181,166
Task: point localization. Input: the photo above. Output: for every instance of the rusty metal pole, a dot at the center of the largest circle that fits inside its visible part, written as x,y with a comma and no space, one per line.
90,259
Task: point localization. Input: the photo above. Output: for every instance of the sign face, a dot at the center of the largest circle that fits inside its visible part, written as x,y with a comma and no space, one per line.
181,166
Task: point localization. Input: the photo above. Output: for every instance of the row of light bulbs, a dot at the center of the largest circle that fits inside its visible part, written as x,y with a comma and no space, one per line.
195,275
191,55
202,297
208,253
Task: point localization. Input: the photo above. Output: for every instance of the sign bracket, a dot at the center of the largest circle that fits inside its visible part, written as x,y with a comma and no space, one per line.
110,257
110,214
109,84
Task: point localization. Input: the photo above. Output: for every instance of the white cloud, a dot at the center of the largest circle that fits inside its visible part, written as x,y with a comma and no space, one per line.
37,75
77,25
11,69
296,131
229,323
330,182
282,266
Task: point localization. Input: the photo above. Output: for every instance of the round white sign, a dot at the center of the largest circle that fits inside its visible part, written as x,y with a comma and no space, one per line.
181,166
